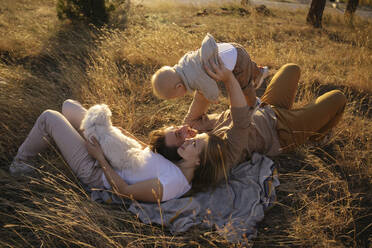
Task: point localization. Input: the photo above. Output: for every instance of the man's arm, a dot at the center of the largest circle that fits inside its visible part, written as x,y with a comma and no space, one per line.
221,73
241,114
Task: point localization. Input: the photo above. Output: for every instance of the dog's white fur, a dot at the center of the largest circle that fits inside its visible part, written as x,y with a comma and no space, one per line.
121,151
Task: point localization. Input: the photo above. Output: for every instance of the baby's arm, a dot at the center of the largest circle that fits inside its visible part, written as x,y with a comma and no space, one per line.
197,109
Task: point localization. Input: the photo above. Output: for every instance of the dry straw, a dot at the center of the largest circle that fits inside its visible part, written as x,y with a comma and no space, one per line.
324,199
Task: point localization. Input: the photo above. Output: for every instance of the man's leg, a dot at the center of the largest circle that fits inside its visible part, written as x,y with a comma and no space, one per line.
51,125
296,126
282,88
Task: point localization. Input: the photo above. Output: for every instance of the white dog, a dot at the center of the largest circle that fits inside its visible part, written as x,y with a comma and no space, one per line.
121,151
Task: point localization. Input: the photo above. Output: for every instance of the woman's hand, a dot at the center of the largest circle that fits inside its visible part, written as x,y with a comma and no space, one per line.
220,73
94,149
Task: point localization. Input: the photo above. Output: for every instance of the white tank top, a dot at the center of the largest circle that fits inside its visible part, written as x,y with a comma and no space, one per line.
155,165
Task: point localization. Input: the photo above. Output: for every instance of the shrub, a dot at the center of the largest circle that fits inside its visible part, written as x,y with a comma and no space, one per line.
92,11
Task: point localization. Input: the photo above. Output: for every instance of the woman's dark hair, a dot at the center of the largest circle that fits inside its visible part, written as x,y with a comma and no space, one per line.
212,166
157,145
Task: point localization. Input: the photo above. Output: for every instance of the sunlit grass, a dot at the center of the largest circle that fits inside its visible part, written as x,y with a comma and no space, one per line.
324,197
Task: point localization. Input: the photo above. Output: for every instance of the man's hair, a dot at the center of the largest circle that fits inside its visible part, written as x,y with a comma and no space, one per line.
157,145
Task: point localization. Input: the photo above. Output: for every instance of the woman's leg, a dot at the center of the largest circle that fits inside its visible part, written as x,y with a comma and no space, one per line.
53,125
314,120
74,112
282,88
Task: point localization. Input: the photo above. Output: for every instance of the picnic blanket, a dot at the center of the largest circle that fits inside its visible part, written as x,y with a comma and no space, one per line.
233,208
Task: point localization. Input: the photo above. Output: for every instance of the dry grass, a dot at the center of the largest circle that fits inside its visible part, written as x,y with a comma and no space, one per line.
325,196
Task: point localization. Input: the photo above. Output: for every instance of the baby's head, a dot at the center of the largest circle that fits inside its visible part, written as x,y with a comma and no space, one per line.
167,84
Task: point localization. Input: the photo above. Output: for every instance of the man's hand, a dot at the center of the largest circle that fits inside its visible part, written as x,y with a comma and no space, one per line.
94,149
220,73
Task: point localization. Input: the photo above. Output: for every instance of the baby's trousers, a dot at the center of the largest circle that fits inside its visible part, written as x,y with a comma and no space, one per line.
53,126
295,126
245,70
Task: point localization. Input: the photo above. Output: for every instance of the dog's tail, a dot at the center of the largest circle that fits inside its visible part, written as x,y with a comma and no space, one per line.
98,115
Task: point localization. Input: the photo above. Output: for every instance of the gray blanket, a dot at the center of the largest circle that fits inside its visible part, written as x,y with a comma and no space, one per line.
233,208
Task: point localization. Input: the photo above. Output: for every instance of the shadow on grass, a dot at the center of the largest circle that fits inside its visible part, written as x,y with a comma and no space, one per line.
274,229
42,86
360,101
47,81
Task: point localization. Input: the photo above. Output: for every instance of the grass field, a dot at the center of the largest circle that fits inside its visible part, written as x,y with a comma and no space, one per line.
324,199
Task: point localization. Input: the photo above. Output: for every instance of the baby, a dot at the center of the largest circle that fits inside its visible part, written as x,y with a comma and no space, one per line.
189,75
